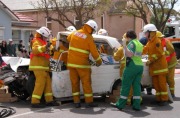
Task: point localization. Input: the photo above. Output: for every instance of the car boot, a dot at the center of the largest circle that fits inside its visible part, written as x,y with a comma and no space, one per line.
89,105
77,105
53,103
38,105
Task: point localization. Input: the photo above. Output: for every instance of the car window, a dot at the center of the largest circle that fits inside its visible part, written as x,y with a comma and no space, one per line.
105,51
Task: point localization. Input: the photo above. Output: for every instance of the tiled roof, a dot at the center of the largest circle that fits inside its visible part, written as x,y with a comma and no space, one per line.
16,16
23,18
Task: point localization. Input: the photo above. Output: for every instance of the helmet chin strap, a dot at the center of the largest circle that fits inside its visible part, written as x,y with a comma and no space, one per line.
149,34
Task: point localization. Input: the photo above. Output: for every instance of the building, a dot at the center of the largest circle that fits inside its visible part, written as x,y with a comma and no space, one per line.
14,25
116,23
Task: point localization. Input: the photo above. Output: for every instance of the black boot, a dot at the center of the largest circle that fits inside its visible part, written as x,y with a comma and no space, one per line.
163,103
53,103
88,105
77,105
38,105
149,91
173,96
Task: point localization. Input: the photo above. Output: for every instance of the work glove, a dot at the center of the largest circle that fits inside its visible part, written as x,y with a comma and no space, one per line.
148,63
115,49
124,42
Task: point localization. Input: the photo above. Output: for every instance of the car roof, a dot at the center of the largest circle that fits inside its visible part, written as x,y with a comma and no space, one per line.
113,42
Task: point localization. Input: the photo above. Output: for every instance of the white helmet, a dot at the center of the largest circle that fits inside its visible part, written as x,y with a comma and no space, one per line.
71,28
93,25
44,31
149,27
103,32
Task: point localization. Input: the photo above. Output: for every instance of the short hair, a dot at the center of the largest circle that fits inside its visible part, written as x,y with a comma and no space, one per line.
131,34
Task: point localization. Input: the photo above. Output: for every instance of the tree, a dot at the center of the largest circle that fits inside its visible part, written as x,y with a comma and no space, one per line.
160,9
82,10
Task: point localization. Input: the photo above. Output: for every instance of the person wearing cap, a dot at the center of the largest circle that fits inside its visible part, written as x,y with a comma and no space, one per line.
39,64
131,77
81,44
11,48
158,67
171,60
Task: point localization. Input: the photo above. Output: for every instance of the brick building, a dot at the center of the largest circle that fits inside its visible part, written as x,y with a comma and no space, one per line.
115,23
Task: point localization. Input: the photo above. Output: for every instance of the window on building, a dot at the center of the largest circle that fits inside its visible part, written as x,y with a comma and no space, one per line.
102,21
16,35
49,23
1,33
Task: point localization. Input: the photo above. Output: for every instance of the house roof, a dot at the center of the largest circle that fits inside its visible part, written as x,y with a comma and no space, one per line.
16,16
24,18
8,11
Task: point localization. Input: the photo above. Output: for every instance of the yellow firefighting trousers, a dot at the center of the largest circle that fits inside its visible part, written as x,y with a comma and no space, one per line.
170,79
42,85
159,83
83,75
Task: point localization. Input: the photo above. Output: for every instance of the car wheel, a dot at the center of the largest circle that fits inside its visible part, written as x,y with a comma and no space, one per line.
30,83
115,93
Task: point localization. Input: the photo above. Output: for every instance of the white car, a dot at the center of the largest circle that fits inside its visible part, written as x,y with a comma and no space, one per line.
104,78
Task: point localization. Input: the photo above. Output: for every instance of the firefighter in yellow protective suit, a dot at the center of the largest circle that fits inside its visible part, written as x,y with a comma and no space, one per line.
39,64
158,67
63,46
171,60
52,46
103,48
81,44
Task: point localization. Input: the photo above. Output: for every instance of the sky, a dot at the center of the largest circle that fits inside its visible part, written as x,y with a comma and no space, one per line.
177,6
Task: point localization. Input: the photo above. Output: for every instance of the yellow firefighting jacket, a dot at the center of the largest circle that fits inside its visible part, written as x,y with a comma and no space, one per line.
81,44
39,59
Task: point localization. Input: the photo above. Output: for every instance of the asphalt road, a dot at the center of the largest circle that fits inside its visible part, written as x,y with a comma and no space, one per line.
66,110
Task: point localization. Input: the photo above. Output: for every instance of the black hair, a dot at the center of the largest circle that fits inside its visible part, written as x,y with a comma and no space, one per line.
131,34
20,41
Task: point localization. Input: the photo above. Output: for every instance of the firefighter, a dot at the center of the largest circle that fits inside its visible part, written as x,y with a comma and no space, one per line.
131,77
120,56
81,44
61,48
103,48
158,67
171,60
39,64
71,28
103,32
52,46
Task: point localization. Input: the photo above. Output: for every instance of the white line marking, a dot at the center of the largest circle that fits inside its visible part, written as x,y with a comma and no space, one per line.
23,114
